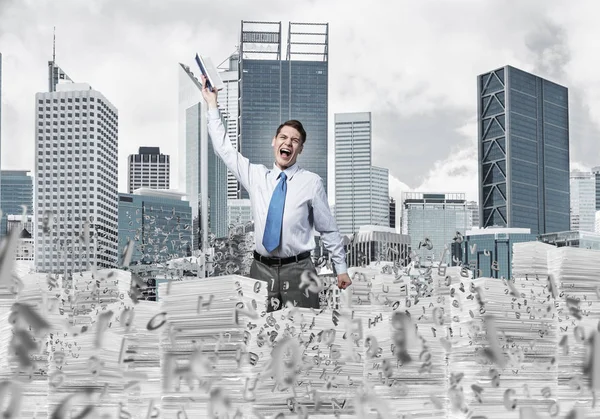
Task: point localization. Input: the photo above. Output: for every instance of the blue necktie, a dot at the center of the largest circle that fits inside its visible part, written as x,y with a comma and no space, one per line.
272,236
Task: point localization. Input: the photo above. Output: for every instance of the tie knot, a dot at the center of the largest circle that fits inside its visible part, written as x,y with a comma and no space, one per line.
283,176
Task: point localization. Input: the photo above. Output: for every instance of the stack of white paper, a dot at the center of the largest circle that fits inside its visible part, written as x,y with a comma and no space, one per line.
575,273
202,339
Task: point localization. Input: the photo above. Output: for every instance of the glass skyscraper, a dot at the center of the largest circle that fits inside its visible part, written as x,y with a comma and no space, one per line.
523,143
16,189
273,90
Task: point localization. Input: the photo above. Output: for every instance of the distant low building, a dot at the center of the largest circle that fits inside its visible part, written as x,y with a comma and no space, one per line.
582,239
373,243
488,251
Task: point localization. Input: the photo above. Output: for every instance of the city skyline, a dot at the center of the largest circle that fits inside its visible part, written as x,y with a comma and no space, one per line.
429,118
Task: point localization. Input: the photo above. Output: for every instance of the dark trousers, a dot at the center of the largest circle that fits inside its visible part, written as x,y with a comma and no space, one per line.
283,284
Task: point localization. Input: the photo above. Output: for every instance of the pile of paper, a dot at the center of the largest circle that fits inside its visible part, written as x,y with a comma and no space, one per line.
87,357
575,273
202,332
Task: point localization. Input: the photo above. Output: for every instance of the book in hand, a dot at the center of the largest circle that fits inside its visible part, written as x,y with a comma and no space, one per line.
213,80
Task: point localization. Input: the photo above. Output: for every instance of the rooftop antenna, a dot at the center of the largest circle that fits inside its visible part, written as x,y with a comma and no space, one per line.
54,45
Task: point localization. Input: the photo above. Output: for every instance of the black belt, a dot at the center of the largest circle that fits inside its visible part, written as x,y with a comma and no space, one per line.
269,261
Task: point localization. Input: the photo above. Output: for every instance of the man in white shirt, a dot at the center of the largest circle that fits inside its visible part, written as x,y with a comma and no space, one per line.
288,202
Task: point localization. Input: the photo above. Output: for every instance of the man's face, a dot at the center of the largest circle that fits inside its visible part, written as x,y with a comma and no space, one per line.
287,145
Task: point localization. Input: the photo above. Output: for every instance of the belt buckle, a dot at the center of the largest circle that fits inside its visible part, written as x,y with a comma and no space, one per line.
278,262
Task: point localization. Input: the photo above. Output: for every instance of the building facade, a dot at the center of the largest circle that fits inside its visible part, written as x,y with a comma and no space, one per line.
273,90
392,207
432,220
76,152
157,222
16,191
239,212
148,169
523,146
583,201
596,173
377,243
582,239
473,208
380,196
488,252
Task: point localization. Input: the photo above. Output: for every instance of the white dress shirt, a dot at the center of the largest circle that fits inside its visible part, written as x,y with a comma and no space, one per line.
306,206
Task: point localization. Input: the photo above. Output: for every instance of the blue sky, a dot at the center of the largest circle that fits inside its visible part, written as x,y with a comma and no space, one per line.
413,64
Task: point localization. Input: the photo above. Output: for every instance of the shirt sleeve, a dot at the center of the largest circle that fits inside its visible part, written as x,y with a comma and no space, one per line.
236,163
325,224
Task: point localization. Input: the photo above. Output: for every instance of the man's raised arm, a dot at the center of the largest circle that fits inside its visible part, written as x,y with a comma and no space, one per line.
238,165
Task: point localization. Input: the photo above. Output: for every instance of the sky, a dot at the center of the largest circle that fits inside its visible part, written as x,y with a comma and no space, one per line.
412,64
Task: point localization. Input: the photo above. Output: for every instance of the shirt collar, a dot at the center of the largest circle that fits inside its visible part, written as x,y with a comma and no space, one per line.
289,172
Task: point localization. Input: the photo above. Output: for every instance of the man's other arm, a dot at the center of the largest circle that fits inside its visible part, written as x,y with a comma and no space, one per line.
325,224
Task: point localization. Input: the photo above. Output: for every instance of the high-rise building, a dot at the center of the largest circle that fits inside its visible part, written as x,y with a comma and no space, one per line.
432,220
148,169
523,137
583,201
392,207
76,152
596,172
16,191
192,124
273,90
157,222
361,190
380,196
228,104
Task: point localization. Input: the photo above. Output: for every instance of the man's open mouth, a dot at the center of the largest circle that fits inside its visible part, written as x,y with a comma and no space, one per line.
285,152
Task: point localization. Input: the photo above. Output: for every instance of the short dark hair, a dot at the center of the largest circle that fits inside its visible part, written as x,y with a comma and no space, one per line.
297,125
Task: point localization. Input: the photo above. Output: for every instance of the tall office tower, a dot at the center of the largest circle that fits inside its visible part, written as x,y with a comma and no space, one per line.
380,196
148,169
361,190
157,222
436,217
523,136
76,176
596,173
16,190
392,207
583,201
228,104
273,90
192,122
473,221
